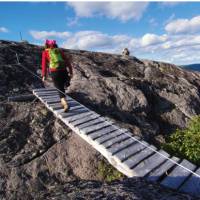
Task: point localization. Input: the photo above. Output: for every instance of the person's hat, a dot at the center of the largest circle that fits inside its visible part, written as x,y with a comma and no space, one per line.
50,42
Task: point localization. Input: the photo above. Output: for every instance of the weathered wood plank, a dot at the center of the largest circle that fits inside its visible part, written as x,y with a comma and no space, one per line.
150,163
44,89
72,111
178,175
106,134
192,185
85,120
60,106
101,125
130,151
50,97
47,97
92,122
55,105
54,97
117,139
117,147
123,145
56,100
103,132
132,161
71,114
80,116
161,170
48,94
50,100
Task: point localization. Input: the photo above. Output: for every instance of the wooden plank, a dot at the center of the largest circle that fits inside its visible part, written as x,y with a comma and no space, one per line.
103,132
162,170
52,99
80,116
109,136
132,161
121,145
130,151
73,112
57,107
192,185
117,139
47,90
49,95
178,175
71,109
92,122
56,100
150,163
37,92
44,89
85,119
54,96
88,130
71,104
75,109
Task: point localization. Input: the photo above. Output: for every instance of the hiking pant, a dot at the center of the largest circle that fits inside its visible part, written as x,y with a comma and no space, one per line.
60,80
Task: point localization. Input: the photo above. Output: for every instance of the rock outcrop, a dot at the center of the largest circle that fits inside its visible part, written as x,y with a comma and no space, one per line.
46,160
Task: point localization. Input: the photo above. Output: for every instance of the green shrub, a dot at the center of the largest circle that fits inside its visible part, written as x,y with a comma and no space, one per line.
186,143
108,172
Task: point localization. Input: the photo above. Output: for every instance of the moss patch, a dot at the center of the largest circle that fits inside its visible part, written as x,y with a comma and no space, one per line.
108,173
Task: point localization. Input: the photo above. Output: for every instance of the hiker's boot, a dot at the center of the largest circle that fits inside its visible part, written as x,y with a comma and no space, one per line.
64,104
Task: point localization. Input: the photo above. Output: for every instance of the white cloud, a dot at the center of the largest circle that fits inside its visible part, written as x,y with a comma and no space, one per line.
179,49
115,10
4,30
152,39
159,47
41,35
180,26
88,40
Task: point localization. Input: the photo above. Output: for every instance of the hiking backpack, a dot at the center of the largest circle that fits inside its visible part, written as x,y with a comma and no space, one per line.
56,60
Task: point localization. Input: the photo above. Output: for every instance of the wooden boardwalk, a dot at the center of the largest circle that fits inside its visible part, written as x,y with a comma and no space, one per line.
128,154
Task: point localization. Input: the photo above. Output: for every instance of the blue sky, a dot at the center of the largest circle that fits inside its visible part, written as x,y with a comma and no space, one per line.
164,31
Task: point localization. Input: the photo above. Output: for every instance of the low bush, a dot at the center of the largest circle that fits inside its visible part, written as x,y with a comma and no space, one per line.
186,143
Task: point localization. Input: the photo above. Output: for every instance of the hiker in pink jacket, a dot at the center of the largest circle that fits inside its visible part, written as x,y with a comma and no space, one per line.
59,67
